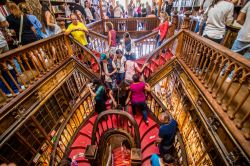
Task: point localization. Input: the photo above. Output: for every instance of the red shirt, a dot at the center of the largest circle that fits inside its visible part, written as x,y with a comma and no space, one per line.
163,29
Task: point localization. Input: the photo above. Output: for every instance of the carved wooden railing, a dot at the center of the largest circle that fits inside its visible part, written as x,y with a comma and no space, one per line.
24,66
98,42
84,55
157,59
119,121
66,132
157,108
96,26
145,45
224,78
133,24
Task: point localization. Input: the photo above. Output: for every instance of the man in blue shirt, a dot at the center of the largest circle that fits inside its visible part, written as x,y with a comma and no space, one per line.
167,134
166,160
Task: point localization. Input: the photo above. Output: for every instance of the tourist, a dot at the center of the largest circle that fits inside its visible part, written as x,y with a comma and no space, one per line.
131,8
78,30
97,90
143,11
33,19
80,17
152,15
148,8
110,98
162,28
111,10
155,8
243,38
168,6
111,38
118,11
90,12
138,97
122,96
167,134
109,71
28,33
156,160
139,10
3,43
127,45
219,14
79,7
48,20
119,60
131,68
4,48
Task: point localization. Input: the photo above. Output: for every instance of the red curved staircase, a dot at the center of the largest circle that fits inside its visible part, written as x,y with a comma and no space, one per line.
148,134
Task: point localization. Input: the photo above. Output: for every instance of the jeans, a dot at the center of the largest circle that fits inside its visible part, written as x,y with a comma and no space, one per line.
197,27
120,77
158,42
143,107
237,46
9,82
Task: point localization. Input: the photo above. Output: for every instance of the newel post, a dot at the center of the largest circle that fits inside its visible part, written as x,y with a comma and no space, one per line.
68,45
174,23
186,20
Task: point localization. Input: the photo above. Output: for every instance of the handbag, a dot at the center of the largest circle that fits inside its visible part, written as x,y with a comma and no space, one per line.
19,41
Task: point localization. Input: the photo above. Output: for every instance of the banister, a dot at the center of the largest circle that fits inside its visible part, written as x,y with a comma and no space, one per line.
226,51
63,126
98,34
121,113
145,37
27,46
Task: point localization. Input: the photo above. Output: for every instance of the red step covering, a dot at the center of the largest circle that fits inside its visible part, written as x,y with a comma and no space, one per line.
121,157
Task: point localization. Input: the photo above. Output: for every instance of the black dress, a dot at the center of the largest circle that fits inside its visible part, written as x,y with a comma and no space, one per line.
28,35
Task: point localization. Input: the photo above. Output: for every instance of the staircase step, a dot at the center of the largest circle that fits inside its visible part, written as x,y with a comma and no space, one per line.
149,151
149,137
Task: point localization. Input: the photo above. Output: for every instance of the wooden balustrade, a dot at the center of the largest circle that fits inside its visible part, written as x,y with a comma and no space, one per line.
119,121
133,24
67,131
22,67
96,26
224,75
145,45
157,108
98,42
160,56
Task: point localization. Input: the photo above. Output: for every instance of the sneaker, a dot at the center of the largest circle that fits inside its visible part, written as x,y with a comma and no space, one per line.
9,95
23,87
147,122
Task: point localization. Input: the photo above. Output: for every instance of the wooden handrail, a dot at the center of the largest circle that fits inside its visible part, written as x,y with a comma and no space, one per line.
57,152
223,50
122,116
145,37
98,42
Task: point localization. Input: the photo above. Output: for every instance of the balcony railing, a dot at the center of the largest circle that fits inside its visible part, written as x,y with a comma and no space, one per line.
133,24
23,67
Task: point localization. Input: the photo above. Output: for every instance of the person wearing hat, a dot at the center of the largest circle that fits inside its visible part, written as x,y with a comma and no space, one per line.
167,134
108,70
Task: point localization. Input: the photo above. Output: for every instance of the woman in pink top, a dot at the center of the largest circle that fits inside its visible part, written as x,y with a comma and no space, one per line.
111,38
138,97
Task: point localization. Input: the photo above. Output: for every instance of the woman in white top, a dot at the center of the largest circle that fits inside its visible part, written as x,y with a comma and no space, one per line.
119,60
219,14
131,68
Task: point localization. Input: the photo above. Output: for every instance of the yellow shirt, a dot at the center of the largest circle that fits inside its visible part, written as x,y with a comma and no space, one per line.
78,35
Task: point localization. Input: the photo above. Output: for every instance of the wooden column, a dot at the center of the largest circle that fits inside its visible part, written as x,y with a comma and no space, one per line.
159,7
186,20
